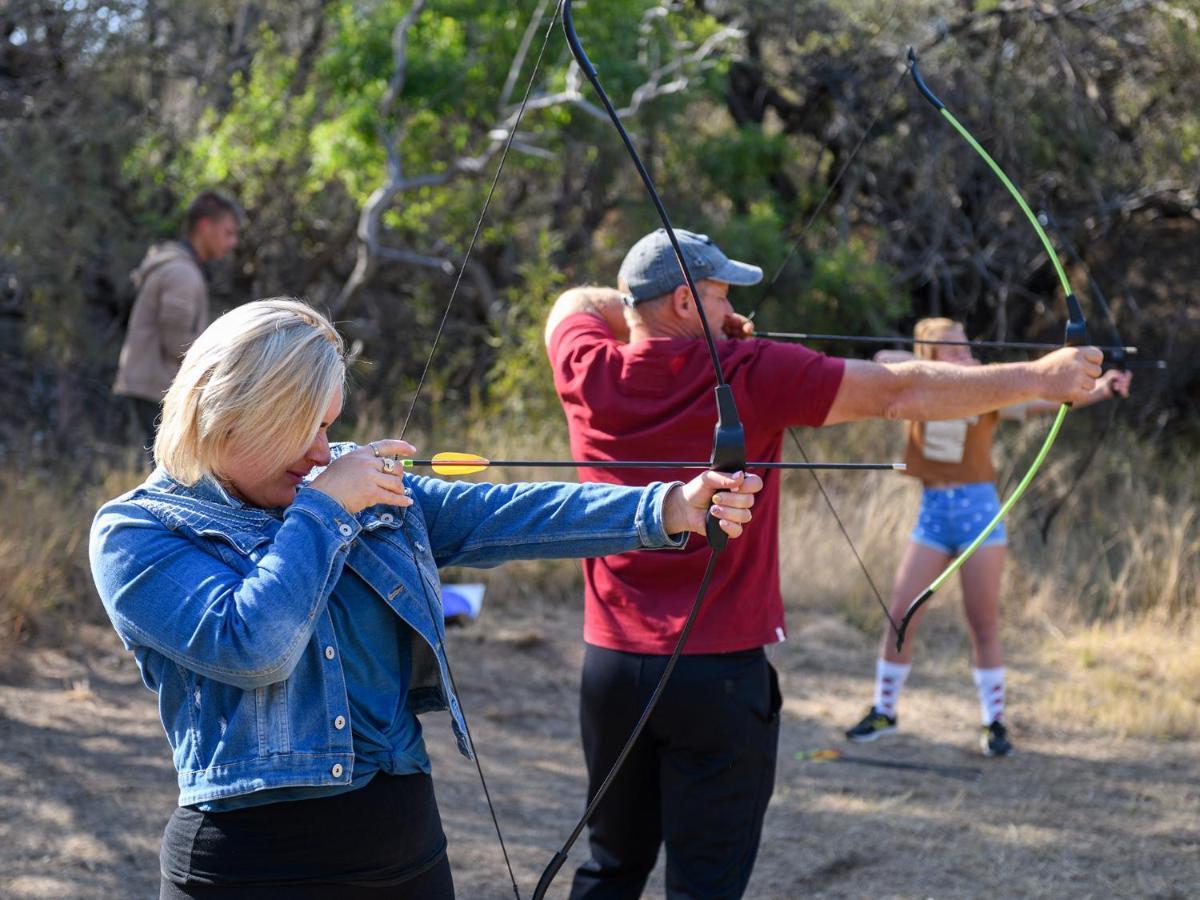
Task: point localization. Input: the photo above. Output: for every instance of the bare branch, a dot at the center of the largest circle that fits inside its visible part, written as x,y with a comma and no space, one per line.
671,77
408,257
518,62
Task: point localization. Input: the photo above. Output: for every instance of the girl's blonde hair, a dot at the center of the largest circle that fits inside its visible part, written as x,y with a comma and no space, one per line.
259,379
932,329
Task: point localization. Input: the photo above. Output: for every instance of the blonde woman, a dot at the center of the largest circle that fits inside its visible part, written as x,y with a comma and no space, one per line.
280,595
953,460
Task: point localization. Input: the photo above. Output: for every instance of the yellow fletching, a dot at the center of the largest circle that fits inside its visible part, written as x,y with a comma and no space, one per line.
451,463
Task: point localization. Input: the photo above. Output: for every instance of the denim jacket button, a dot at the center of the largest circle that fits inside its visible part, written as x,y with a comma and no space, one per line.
386,517
345,529
339,723
329,653
337,770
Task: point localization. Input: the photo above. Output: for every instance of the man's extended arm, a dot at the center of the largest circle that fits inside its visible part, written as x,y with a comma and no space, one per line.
606,303
921,391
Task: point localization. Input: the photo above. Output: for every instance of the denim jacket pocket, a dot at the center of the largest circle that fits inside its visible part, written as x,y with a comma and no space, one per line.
271,708
237,549
230,726
405,531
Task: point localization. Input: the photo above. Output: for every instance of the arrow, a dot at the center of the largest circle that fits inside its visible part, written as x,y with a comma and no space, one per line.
831,755
866,339
452,462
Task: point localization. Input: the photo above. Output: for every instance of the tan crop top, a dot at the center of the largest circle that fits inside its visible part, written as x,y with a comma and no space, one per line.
955,451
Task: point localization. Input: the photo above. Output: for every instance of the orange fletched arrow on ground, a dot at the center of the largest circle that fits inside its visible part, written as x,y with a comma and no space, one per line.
454,462
830,755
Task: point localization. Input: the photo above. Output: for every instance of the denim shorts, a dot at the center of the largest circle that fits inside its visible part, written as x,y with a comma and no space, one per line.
950,518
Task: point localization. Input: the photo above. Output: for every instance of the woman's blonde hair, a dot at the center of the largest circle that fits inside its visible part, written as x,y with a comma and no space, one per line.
932,329
259,379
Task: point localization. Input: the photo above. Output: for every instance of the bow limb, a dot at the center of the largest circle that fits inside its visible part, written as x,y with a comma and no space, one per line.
1076,335
728,455
1118,360
792,249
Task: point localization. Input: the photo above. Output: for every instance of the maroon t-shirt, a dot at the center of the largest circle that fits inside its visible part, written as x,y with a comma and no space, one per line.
654,400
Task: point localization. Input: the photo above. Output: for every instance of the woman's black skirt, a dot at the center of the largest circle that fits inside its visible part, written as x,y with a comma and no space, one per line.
384,840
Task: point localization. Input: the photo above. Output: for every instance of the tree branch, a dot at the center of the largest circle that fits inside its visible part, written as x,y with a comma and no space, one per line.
673,76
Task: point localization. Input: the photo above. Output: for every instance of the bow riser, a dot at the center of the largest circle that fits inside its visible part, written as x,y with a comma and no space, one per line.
728,453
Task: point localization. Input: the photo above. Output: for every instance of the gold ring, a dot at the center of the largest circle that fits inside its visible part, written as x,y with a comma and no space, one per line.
389,464
374,449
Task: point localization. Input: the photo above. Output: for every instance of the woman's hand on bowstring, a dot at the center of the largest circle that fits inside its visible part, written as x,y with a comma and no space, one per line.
367,476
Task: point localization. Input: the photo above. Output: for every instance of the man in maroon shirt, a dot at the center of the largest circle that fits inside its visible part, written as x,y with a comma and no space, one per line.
633,373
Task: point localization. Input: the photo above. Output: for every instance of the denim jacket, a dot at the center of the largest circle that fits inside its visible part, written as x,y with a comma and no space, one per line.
224,605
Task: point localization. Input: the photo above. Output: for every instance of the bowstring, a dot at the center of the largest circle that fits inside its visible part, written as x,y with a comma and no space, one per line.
508,142
849,540
512,133
862,139
774,278
1097,439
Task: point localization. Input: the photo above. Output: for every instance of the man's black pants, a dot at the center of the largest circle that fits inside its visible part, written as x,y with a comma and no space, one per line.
698,779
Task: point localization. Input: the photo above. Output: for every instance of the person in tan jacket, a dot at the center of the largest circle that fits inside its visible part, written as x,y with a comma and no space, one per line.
171,308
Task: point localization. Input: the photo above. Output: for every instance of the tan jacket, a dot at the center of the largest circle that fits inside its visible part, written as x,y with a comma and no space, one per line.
169,313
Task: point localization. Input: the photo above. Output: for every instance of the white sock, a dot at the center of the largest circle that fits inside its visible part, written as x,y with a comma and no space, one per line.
889,679
990,683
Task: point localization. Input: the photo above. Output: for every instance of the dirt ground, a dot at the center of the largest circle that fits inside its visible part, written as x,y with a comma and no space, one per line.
86,783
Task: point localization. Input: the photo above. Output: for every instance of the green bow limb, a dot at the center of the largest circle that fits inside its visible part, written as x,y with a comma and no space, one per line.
1076,335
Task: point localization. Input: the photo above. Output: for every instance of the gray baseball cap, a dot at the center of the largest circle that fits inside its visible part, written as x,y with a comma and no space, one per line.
650,268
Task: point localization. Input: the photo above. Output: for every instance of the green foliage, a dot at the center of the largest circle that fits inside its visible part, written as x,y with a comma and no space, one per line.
291,121
109,125
267,128
848,288
738,164
520,382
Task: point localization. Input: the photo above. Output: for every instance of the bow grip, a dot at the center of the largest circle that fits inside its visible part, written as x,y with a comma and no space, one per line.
728,455
1076,335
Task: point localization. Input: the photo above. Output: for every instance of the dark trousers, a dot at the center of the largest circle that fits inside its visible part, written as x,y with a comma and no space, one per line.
698,779
382,841
432,884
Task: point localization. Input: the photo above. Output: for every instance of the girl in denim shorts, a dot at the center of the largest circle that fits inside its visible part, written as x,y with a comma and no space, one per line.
953,461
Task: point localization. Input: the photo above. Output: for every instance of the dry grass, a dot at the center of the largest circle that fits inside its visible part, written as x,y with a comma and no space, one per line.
1097,622
1106,604
45,581
1111,593
876,509
1134,679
